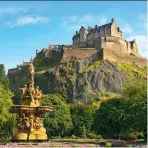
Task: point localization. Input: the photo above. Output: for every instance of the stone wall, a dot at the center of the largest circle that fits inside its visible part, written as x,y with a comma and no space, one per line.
115,44
79,53
112,56
93,43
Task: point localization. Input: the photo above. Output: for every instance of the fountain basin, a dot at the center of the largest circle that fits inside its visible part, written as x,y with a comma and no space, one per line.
30,123
30,109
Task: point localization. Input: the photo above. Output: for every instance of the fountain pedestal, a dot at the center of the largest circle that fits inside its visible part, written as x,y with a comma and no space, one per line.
29,114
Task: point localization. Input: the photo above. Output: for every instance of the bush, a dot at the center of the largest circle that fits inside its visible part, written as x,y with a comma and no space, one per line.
108,144
58,122
91,135
139,135
99,136
73,137
128,136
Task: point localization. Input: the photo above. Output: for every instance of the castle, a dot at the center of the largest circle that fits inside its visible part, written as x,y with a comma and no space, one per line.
106,36
100,42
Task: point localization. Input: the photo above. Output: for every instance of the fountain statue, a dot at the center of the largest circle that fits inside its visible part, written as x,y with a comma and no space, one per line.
29,113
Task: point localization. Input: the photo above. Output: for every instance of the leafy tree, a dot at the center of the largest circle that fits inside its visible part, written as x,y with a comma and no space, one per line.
125,114
135,98
6,118
110,118
58,122
3,78
82,119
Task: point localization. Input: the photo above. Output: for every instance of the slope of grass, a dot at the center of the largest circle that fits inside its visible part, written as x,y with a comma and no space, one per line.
131,69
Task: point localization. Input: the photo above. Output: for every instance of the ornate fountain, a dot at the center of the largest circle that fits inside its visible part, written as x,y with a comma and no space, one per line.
29,121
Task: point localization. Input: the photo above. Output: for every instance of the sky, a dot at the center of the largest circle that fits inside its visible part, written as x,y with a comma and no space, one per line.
29,25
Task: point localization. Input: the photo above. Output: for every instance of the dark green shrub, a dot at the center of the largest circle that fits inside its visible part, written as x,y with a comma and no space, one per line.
128,136
91,135
99,137
73,137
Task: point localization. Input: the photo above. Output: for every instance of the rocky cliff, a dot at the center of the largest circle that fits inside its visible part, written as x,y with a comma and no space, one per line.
77,80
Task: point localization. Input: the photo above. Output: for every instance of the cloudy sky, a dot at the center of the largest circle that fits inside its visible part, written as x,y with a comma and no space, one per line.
26,26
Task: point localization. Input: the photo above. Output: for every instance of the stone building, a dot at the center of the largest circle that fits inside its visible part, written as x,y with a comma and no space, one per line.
106,36
109,29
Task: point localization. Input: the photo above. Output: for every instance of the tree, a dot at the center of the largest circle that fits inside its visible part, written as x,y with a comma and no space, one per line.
82,119
7,120
110,118
125,114
58,122
3,78
135,98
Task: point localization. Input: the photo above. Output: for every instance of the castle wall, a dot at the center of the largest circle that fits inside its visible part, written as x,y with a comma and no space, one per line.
118,45
115,44
112,56
79,53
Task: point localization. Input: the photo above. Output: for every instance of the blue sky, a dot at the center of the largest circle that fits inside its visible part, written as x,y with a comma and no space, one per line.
26,26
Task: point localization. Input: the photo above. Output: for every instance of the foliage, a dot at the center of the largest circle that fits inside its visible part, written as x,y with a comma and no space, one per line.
58,122
129,136
93,136
82,118
93,65
125,113
6,119
111,116
3,78
73,137
131,69
135,98
42,63
108,144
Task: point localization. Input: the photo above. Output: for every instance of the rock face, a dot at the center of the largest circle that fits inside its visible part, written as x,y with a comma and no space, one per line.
74,81
104,77
79,75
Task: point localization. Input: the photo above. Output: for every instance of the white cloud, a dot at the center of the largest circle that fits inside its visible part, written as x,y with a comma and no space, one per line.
24,20
12,10
73,22
142,44
126,28
142,21
86,18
